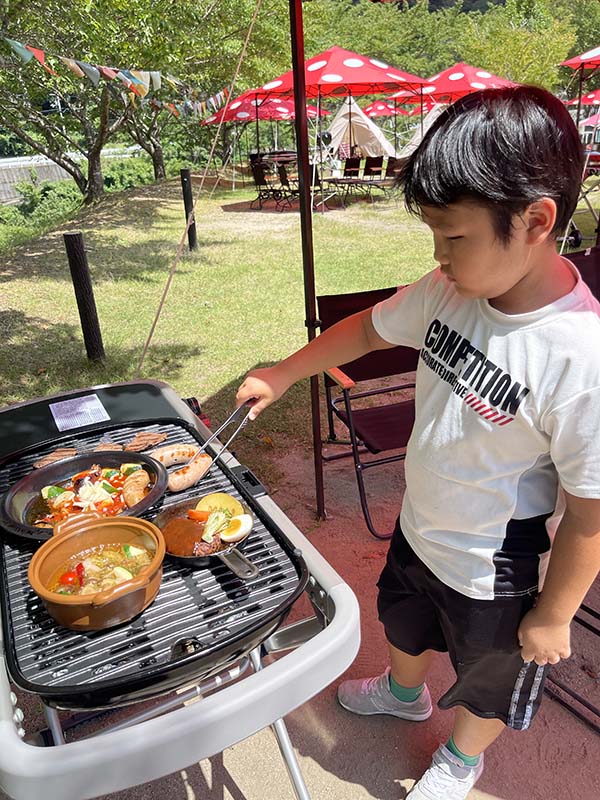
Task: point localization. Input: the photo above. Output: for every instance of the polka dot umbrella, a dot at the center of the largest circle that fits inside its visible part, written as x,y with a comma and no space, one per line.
589,60
341,72
589,99
454,82
247,108
381,108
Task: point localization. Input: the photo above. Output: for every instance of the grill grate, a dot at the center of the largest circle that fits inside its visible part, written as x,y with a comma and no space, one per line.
210,606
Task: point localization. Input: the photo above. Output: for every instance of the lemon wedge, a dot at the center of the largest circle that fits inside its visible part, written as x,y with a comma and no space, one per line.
220,501
239,527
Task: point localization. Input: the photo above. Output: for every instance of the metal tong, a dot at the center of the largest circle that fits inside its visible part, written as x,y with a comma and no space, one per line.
228,421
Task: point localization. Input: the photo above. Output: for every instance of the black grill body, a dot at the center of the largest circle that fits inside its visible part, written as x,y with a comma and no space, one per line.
202,618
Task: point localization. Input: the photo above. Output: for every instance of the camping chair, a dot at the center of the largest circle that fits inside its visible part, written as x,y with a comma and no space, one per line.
349,179
289,192
387,182
264,185
375,423
321,187
372,173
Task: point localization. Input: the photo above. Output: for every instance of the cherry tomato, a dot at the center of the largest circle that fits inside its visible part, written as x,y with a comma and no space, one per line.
198,516
69,579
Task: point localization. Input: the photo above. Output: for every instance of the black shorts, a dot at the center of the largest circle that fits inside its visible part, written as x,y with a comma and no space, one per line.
420,613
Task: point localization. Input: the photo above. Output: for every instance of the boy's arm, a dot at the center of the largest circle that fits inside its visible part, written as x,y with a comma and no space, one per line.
544,633
348,339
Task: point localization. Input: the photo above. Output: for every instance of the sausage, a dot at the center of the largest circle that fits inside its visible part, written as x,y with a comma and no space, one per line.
171,454
190,474
134,486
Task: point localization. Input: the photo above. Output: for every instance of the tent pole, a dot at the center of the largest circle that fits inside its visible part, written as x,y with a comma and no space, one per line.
421,92
320,130
311,322
395,127
350,120
579,96
257,131
233,159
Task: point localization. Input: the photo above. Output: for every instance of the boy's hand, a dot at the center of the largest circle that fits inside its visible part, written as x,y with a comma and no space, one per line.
263,386
542,640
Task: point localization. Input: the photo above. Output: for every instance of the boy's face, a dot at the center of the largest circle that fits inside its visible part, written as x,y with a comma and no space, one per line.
470,254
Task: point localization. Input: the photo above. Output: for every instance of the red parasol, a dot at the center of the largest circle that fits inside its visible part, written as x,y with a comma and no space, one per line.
381,108
587,60
591,122
247,108
455,82
590,99
337,71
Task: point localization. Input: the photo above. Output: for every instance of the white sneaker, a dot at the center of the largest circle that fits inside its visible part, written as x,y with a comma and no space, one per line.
447,778
373,696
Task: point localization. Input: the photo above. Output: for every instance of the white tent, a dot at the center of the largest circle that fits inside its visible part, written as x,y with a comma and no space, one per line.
351,126
421,130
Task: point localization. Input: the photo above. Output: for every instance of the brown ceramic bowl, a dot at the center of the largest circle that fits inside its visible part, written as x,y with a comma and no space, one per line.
92,612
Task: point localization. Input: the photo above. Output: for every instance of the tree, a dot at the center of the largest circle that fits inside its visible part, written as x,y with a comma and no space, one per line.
417,42
197,40
584,17
522,41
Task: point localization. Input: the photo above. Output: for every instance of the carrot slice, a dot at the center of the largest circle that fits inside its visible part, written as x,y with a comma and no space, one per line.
199,516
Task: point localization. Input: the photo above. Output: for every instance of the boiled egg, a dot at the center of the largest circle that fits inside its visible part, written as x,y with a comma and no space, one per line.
238,528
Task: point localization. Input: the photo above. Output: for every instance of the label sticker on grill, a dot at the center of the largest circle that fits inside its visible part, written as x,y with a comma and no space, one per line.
80,411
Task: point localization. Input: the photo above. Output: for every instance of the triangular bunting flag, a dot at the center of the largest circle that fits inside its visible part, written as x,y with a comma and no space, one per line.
123,76
24,54
143,85
108,73
72,65
40,56
90,71
155,78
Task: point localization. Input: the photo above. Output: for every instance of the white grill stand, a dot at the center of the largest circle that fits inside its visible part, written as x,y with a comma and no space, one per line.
279,729
285,745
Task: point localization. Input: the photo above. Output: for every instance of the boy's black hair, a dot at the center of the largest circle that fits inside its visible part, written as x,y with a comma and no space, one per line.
505,148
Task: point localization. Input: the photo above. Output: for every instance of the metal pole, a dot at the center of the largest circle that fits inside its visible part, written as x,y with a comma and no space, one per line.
320,137
188,203
257,129
580,96
297,37
84,294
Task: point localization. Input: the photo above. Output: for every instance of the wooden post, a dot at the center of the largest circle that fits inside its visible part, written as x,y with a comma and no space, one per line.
188,203
84,294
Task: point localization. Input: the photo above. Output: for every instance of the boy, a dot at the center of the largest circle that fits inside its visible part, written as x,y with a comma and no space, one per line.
505,452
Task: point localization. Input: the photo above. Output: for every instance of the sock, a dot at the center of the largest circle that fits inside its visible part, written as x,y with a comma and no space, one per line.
404,694
469,761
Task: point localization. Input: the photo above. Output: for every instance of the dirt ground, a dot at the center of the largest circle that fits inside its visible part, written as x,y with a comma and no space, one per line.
557,758
344,757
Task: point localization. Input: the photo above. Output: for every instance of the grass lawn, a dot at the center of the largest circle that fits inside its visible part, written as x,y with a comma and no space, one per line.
236,303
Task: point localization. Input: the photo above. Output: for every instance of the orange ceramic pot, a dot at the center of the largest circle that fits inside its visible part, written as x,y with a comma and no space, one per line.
92,612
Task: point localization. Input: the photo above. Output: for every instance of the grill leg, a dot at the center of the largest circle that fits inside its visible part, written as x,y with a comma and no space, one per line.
54,724
285,744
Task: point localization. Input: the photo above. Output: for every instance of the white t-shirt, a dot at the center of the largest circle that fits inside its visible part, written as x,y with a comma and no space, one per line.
507,410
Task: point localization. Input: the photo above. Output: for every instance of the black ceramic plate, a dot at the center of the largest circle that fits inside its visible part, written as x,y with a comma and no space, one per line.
16,505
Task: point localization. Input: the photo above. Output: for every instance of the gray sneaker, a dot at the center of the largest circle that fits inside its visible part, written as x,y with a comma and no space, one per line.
447,778
373,696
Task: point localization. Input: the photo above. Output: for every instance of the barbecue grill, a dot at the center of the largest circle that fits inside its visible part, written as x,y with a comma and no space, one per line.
204,636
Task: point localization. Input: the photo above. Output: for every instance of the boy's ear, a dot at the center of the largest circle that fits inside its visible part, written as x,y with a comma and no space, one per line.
539,218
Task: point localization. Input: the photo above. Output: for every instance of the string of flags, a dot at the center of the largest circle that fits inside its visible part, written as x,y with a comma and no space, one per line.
138,83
